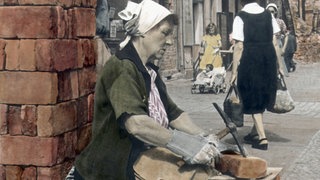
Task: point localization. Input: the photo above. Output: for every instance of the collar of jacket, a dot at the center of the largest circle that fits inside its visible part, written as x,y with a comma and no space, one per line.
129,53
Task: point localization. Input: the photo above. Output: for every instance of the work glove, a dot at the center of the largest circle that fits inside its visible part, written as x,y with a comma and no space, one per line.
194,149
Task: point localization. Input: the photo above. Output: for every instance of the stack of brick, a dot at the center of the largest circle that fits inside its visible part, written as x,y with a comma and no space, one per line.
47,78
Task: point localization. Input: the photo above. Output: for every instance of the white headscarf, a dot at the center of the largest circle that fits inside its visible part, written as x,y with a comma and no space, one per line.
141,18
272,5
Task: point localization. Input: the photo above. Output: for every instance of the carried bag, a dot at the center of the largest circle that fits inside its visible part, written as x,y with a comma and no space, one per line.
284,102
232,106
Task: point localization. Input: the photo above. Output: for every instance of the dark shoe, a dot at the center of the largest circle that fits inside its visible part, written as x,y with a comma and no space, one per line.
258,145
251,138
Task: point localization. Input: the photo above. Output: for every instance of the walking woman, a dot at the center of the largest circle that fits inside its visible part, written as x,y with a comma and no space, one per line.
253,31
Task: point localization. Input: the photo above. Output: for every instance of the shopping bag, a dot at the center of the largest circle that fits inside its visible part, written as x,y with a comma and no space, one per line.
232,106
283,102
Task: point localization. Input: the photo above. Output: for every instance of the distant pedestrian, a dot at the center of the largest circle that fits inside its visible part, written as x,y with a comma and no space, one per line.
288,50
253,31
211,43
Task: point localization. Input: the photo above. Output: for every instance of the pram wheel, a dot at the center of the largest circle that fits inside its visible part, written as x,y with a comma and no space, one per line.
201,88
193,89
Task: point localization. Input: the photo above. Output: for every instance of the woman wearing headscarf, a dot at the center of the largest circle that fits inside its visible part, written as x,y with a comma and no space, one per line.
253,31
133,111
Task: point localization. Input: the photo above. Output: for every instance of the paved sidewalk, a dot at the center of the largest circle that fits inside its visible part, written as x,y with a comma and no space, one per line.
306,166
293,137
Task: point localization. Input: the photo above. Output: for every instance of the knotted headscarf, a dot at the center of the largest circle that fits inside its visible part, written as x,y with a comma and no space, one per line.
140,18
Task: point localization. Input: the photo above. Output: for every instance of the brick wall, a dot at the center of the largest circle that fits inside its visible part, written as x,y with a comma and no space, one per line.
47,78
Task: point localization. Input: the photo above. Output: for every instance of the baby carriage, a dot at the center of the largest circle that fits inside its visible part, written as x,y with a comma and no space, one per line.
210,81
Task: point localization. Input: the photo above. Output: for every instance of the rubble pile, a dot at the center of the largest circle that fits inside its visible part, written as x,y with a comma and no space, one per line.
308,48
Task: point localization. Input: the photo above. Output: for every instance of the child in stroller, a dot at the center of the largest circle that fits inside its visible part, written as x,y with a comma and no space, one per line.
210,80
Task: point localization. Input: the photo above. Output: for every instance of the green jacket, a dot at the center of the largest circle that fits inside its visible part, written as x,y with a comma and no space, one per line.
121,90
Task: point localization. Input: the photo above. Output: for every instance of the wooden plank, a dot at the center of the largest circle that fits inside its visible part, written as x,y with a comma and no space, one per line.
273,173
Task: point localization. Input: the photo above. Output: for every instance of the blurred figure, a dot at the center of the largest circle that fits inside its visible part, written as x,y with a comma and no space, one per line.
288,50
211,43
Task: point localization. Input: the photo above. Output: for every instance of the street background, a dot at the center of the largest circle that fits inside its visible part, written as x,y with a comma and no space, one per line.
294,137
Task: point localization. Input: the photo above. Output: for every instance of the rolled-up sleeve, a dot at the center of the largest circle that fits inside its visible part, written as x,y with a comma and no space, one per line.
237,29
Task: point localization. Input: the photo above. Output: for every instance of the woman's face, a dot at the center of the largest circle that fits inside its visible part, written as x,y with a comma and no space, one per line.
212,29
158,39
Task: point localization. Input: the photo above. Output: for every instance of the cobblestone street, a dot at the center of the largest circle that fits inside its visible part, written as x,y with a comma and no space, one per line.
293,137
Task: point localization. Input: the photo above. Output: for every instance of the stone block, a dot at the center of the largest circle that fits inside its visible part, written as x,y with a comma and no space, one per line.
56,119
28,87
241,167
24,150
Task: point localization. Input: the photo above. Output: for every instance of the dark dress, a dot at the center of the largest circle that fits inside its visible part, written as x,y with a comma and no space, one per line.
257,72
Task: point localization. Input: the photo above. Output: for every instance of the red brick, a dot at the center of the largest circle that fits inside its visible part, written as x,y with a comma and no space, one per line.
241,167
82,111
29,173
68,85
90,107
2,172
14,120
3,119
86,53
50,173
10,2
30,21
24,150
13,172
12,57
74,84
87,80
26,52
84,137
28,87
2,53
56,55
66,146
29,120
22,120
20,55
54,120
83,22
63,3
